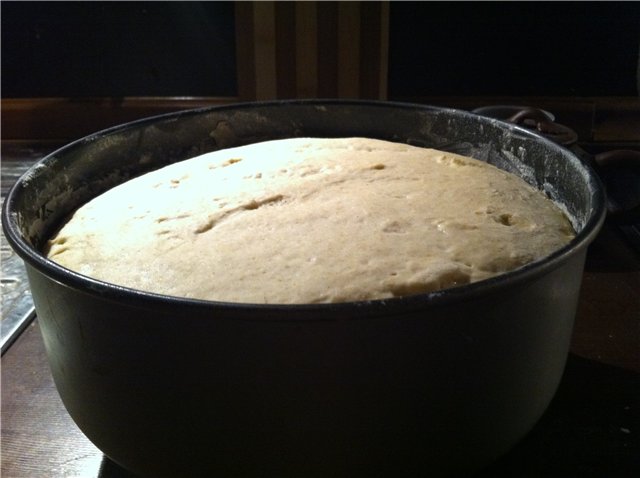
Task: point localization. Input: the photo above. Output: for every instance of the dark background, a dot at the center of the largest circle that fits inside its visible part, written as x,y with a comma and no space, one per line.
514,48
84,49
118,49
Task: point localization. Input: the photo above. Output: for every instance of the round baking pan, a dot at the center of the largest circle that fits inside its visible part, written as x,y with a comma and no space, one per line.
436,383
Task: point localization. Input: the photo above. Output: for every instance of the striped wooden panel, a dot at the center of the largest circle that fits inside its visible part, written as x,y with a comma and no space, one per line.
312,49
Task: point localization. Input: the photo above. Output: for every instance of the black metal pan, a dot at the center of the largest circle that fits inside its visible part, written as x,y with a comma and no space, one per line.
443,382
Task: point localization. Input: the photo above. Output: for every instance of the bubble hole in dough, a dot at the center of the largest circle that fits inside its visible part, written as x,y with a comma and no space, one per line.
311,220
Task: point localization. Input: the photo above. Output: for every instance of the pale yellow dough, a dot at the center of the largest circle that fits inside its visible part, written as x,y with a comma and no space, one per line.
311,220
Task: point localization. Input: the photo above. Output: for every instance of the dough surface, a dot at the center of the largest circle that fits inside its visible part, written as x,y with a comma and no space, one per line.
311,220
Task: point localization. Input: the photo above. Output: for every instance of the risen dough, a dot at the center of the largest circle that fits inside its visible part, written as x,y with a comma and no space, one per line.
311,220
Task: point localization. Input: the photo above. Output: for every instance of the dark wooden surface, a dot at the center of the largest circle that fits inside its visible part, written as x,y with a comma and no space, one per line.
591,428
610,121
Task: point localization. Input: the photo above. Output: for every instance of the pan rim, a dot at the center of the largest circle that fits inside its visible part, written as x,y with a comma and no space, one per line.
393,306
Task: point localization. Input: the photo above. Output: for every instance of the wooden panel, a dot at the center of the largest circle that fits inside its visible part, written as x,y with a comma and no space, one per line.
312,49
306,48
264,25
285,60
349,49
328,48
65,119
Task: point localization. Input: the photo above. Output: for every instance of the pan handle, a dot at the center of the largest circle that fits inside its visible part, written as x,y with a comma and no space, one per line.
550,129
619,169
620,172
533,114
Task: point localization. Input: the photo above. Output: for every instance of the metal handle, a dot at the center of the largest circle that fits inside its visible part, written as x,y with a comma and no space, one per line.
556,132
618,169
525,114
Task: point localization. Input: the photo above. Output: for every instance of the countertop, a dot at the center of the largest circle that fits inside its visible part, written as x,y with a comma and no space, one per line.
591,428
